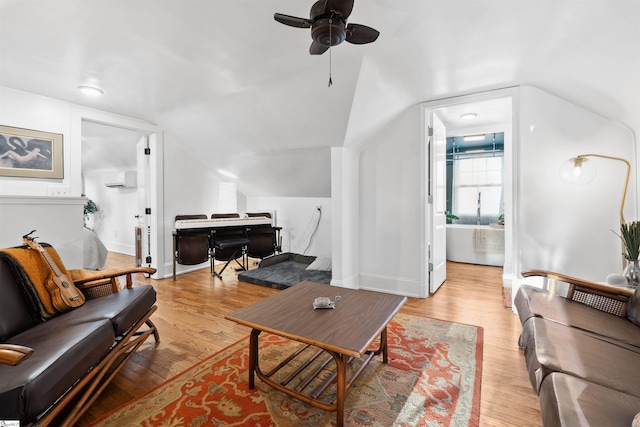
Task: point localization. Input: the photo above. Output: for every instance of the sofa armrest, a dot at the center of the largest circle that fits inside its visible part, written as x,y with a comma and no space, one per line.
13,354
609,299
98,283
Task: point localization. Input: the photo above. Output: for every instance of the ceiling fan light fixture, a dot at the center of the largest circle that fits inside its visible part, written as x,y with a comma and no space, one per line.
328,22
328,32
90,90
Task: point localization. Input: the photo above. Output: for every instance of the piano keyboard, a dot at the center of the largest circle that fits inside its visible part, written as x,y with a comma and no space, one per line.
184,224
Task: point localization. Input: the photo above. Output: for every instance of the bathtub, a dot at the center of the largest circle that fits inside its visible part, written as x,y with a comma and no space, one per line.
475,244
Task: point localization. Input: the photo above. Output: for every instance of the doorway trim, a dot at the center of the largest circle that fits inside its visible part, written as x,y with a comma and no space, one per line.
156,191
511,190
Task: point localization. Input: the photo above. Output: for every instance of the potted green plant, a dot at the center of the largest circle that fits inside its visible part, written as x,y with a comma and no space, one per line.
90,208
451,217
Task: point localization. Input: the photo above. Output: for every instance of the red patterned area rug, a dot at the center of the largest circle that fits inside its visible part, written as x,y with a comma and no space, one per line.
432,379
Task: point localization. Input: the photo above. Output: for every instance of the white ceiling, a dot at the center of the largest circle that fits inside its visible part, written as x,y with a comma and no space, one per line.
225,80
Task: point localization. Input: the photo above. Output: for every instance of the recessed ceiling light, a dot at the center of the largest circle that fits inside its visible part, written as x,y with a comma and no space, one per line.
468,116
91,90
470,138
227,174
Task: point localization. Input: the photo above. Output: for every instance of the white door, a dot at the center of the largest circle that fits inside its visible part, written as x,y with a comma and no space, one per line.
436,202
143,231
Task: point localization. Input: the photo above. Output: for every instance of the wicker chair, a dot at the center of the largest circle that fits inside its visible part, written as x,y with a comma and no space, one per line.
602,297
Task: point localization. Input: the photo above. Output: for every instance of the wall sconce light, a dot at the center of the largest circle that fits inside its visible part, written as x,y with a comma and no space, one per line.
579,170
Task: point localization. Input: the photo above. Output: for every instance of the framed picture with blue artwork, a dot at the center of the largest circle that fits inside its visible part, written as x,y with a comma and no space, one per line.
30,153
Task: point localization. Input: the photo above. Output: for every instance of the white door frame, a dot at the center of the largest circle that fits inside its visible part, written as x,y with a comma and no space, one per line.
156,190
512,262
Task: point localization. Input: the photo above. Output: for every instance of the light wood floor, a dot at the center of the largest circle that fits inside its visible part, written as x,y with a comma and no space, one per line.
190,319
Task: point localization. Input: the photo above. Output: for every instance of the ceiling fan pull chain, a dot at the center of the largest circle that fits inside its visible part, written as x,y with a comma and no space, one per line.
330,82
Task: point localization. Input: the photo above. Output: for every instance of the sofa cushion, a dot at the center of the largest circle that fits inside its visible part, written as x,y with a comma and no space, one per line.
553,347
123,309
570,401
531,302
62,354
15,310
633,308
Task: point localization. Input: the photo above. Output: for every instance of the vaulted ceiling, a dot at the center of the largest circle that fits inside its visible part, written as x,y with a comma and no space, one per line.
227,82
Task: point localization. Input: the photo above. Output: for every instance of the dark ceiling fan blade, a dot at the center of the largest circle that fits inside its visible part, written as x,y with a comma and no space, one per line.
361,34
343,7
317,48
292,21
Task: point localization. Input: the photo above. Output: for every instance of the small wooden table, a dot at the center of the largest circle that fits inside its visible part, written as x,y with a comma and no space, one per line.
345,332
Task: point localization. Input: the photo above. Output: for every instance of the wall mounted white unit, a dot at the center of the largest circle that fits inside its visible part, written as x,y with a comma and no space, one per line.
121,179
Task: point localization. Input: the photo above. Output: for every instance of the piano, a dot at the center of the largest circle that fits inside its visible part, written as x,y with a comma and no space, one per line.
212,224
206,232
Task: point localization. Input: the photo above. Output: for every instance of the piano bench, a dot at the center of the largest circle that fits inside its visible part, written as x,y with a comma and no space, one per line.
230,243
233,249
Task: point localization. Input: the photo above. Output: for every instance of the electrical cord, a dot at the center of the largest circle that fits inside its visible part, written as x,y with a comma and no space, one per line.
306,234
314,232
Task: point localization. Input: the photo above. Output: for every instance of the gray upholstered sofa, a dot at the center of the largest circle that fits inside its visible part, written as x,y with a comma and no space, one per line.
582,352
54,365
286,269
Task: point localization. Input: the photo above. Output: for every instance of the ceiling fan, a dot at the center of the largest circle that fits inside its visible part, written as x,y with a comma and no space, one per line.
328,23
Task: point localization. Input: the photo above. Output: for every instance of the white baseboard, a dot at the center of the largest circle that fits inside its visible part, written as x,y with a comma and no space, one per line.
182,269
120,248
391,285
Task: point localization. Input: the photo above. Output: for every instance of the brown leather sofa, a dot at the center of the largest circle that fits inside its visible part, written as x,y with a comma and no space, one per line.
52,370
582,351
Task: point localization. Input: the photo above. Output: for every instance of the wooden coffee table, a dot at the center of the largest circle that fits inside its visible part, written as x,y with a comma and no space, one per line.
346,332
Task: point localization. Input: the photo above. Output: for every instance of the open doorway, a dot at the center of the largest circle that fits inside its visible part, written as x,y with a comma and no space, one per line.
109,181
116,178
474,191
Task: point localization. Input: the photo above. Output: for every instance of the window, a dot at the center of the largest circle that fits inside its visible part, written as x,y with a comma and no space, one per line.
477,182
227,197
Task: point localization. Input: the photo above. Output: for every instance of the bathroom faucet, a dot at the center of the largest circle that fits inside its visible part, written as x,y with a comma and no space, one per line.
479,205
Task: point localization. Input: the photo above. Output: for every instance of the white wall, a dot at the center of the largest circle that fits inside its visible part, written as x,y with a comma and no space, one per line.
298,217
116,221
389,206
569,228
21,214
345,231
